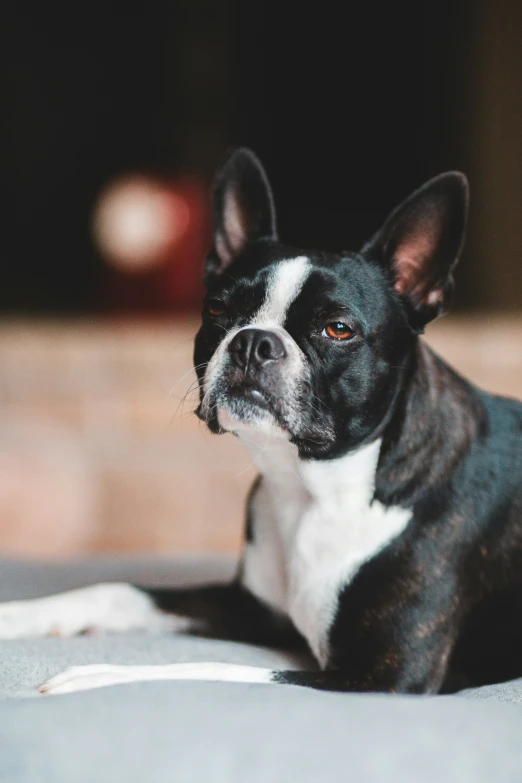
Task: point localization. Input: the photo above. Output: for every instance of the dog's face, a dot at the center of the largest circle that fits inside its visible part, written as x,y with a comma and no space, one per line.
314,346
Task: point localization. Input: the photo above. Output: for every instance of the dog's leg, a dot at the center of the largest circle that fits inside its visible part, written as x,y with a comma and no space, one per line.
218,611
228,612
413,676
79,678
109,607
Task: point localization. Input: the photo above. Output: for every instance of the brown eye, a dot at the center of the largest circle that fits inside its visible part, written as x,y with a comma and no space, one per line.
216,307
337,330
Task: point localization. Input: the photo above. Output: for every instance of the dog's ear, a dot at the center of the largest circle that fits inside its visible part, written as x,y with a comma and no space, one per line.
243,208
420,242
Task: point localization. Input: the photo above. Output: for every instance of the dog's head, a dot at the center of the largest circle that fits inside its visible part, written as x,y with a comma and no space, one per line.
314,346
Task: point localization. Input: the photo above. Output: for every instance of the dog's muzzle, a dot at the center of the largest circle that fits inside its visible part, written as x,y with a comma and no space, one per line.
256,366
259,378
252,349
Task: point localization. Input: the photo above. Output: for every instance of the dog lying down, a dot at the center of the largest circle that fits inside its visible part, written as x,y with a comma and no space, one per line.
385,528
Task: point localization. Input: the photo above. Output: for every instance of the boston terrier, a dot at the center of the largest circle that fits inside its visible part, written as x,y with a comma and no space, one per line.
385,528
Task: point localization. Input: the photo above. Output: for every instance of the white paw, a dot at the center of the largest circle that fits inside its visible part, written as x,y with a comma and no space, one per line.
106,607
82,678
26,619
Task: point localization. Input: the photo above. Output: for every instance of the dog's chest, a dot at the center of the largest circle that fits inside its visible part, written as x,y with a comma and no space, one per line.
314,524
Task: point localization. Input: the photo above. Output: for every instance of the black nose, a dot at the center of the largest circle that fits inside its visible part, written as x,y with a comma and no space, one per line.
255,347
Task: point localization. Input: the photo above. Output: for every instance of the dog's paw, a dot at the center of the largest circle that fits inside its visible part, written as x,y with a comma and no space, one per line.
19,621
66,614
102,607
82,678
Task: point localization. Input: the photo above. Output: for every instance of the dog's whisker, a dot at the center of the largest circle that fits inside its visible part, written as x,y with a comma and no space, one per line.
192,369
182,402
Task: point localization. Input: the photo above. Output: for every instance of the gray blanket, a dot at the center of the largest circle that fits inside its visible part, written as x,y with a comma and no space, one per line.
226,732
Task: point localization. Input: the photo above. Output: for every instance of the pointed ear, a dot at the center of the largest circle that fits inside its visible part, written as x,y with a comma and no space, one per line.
420,244
243,208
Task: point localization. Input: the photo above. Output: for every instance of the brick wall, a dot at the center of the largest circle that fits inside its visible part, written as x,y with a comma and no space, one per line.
98,452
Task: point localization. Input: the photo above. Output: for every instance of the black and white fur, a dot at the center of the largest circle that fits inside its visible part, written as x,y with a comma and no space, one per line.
385,528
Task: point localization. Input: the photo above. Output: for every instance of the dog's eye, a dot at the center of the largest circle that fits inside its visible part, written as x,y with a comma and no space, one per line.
216,307
337,330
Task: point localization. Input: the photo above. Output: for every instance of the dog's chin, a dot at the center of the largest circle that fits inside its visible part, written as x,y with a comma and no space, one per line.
250,414
239,415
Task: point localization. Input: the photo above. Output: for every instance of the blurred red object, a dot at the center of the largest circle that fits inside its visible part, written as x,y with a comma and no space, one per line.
153,235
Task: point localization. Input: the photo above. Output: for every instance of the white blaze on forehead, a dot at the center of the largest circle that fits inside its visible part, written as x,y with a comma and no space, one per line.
284,284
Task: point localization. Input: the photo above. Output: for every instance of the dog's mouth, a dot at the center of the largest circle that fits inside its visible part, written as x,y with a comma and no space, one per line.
244,404
248,403
252,395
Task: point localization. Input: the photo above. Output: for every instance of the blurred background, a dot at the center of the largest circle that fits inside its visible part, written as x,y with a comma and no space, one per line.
114,122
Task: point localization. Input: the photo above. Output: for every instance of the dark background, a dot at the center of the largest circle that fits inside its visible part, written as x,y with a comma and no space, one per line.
349,105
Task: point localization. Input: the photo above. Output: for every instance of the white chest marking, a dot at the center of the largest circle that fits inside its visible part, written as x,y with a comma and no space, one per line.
314,526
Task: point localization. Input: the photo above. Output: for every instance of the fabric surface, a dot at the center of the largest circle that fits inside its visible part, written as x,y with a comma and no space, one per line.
226,732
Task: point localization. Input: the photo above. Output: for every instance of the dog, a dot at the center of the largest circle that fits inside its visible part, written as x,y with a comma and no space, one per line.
385,528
